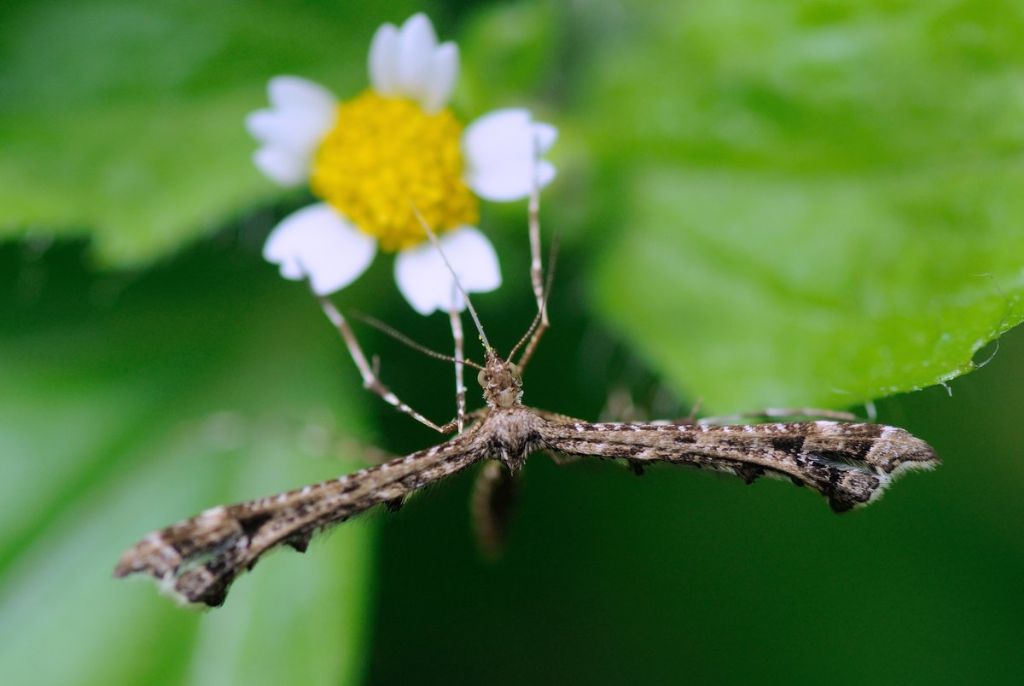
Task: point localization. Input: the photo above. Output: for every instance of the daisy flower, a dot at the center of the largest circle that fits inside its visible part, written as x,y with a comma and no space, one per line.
377,159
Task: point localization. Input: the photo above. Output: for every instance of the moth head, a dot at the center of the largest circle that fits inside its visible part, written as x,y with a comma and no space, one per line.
502,381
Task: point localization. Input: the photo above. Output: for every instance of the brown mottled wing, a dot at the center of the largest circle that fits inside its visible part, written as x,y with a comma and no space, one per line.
850,464
197,559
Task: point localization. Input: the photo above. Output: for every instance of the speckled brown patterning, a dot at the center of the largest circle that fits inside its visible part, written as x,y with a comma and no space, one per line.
851,464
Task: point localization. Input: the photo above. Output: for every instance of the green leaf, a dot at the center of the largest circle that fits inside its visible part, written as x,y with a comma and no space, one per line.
123,417
816,203
124,121
509,51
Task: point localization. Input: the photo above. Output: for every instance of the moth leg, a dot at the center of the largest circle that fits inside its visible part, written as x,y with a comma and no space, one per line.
536,266
494,495
371,380
455,318
536,272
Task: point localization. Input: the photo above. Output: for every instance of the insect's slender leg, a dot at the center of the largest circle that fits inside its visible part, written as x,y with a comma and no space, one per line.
371,381
782,413
536,276
491,505
536,266
460,387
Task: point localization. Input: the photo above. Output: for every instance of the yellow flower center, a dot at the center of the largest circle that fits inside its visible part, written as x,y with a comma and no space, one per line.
386,156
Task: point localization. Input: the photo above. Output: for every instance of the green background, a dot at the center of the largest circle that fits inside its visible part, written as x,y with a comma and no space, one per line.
758,204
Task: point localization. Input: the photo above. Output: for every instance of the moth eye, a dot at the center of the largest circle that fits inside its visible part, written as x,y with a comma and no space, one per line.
514,368
481,378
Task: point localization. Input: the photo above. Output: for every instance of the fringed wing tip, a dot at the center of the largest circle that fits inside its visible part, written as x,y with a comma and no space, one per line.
160,561
911,454
150,555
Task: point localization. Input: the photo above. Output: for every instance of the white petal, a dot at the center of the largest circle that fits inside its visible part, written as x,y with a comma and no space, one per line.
501,150
444,70
263,125
424,279
295,92
487,136
301,113
384,60
298,130
281,165
545,136
545,173
473,258
416,44
319,244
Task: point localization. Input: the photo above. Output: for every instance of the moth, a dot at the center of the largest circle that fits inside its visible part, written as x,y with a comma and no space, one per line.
196,560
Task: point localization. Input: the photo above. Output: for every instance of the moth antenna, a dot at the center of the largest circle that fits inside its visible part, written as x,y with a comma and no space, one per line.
552,261
526,336
405,340
458,284
459,344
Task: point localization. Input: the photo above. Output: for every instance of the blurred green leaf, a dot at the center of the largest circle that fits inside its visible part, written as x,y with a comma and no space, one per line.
121,418
510,52
124,121
818,203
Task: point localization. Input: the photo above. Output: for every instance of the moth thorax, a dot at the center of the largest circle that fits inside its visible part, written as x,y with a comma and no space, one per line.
501,382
